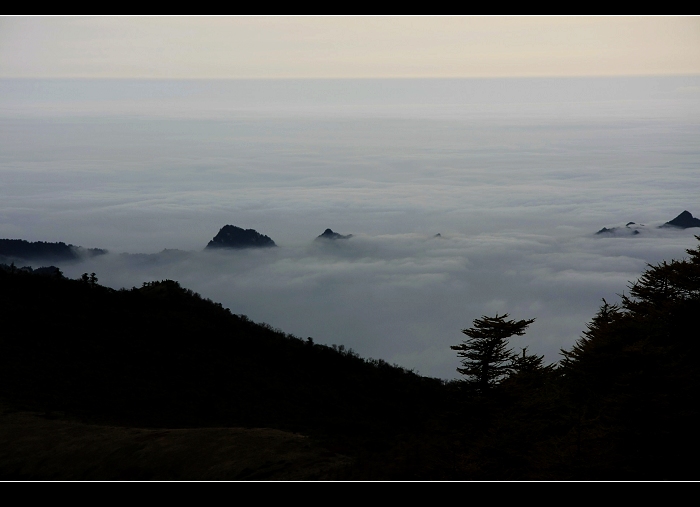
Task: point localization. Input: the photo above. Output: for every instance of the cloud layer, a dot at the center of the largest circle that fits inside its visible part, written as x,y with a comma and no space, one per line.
516,190
406,297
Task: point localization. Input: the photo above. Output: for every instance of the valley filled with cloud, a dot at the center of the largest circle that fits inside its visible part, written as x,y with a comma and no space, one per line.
516,183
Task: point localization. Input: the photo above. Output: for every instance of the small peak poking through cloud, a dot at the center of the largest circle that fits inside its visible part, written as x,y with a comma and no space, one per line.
329,234
230,236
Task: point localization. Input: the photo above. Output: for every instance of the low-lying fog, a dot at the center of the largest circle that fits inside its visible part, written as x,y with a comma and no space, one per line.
515,175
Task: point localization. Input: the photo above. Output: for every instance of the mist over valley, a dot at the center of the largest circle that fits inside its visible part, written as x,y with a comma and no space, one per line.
515,175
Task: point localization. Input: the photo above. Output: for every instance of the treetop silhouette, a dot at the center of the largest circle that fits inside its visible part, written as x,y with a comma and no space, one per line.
487,359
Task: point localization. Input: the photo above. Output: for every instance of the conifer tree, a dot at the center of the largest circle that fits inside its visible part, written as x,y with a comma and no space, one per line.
529,364
486,357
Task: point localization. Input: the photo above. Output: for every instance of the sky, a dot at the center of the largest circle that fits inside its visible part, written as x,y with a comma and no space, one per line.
277,47
515,139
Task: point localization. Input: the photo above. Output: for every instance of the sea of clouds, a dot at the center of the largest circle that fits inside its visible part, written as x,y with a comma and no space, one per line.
515,175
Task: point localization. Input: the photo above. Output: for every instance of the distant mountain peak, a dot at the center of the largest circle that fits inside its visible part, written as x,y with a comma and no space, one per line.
230,236
621,231
21,249
683,221
329,234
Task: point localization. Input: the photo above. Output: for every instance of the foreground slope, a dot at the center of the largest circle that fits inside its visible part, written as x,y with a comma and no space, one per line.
622,403
160,356
51,446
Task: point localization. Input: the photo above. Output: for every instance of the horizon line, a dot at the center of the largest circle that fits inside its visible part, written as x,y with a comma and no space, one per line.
341,78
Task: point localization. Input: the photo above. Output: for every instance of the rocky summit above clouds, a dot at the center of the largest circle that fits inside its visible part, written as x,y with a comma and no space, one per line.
230,236
329,234
683,221
630,229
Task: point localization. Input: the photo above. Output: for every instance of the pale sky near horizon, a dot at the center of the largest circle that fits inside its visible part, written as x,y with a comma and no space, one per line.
346,47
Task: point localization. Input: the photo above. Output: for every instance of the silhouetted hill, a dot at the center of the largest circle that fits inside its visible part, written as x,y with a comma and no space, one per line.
230,236
19,249
621,405
44,270
683,221
162,356
329,234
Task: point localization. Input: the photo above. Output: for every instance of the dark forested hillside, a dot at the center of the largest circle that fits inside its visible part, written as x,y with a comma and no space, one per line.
634,378
162,356
621,404
19,249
